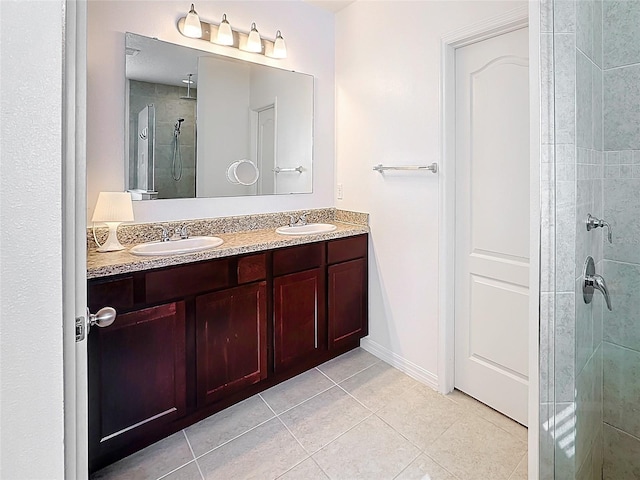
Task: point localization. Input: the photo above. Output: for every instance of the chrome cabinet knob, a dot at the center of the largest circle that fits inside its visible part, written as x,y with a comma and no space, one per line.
105,317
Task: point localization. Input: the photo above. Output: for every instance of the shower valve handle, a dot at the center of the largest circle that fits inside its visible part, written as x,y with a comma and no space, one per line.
592,281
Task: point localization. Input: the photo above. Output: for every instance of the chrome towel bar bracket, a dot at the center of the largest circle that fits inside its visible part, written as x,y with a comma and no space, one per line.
282,170
432,168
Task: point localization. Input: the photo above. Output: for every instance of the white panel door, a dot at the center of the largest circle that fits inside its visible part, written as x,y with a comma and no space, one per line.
267,149
492,222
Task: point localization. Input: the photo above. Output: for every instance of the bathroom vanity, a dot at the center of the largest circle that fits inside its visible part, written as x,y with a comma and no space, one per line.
193,338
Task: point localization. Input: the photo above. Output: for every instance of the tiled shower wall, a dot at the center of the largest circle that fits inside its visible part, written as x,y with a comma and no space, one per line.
621,193
572,172
169,107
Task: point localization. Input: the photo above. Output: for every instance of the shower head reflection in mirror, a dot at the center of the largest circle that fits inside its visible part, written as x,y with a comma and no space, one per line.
239,109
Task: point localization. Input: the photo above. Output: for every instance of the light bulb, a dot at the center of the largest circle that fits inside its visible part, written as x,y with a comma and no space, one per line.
279,48
225,34
254,43
192,27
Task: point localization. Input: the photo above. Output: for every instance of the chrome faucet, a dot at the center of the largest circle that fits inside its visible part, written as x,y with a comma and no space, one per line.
300,222
593,222
165,233
182,232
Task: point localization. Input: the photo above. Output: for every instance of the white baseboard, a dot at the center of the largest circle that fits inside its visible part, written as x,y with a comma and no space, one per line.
402,364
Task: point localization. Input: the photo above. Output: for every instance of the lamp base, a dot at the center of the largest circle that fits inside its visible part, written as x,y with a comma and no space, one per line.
111,244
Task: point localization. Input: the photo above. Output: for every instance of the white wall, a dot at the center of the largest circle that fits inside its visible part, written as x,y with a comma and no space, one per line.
309,33
388,111
31,381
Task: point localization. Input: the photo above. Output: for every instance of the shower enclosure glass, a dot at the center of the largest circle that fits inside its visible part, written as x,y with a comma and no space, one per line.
589,355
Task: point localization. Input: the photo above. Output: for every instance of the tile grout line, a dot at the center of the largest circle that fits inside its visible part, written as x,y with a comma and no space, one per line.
480,415
294,437
302,402
409,464
234,438
442,466
352,375
185,464
518,465
193,453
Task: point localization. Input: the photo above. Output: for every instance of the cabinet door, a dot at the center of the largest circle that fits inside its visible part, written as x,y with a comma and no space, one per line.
136,376
299,317
231,348
347,302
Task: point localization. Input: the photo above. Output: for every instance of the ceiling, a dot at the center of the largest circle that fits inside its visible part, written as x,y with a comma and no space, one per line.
331,5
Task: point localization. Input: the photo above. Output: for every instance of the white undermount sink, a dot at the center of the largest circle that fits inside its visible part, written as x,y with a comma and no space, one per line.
176,247
308,229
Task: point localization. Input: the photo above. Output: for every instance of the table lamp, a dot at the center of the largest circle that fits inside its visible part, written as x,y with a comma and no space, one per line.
113,208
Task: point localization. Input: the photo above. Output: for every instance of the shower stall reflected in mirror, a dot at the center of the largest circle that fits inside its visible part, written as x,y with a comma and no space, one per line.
162,140
590,353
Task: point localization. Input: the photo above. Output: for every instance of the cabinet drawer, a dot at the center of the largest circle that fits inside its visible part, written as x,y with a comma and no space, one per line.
114,293
252,268
347,249
297,259
187,280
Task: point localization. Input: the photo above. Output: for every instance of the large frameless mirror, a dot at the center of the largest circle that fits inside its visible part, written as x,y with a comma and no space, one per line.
203,125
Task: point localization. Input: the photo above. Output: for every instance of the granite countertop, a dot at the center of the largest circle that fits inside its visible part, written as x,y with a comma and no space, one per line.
114,263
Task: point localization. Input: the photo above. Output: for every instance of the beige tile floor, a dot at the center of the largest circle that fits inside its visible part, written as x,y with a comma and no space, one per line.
354,417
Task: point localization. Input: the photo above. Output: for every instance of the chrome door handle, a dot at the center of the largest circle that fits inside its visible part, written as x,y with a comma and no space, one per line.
592,282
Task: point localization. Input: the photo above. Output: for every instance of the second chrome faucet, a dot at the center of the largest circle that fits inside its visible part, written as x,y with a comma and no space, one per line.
179,233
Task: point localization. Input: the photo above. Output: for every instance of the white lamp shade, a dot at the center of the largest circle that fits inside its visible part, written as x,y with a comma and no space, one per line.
254,42
192,27
113,207
279,47
225,34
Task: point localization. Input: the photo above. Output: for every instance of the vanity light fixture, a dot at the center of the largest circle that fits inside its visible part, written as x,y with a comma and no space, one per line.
222,34
225,33
279,48
112,208
254,42
192,27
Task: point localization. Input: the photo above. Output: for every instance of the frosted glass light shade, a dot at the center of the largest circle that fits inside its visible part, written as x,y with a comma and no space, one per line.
254,42
113,207
279,47
225,34
192,27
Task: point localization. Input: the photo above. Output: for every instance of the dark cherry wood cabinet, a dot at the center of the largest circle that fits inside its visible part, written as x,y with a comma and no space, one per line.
298,317
191,340
231,340
347,294
137,376
347,290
